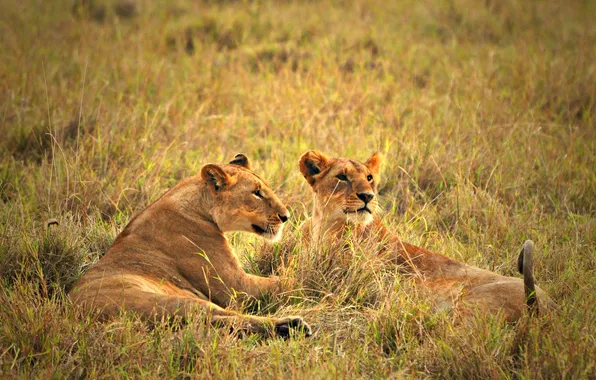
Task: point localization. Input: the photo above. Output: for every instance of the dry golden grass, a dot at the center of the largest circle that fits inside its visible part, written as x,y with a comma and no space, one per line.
485,112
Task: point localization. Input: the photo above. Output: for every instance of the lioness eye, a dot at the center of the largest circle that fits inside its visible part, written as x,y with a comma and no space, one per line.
369,178
258,193
342,177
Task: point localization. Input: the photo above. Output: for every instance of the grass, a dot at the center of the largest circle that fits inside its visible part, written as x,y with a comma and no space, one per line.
485,111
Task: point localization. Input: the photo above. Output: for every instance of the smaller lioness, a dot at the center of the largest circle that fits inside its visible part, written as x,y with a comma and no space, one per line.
173,257
345,197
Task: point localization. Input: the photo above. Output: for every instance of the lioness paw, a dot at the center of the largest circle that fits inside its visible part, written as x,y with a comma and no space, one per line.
284,326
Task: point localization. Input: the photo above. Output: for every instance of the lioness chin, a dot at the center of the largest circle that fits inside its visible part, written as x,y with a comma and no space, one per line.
173,257
345,197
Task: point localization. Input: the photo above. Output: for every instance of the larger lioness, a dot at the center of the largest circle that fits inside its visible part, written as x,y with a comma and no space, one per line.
345,196
173,257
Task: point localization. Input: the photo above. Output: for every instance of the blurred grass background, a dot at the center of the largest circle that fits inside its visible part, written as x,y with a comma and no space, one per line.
484,111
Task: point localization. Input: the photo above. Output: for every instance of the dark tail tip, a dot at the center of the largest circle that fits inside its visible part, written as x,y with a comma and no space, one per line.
525,265
51,222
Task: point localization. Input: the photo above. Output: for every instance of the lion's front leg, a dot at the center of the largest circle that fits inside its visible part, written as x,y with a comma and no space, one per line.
224,281
244,288
256,286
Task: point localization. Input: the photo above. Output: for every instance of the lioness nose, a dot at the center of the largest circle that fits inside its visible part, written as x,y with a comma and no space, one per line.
283,218
366,197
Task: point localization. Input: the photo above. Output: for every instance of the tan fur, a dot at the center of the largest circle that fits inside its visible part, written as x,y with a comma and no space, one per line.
173,257
451,284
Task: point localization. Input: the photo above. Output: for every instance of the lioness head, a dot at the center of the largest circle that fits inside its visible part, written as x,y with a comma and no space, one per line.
345,190
243,201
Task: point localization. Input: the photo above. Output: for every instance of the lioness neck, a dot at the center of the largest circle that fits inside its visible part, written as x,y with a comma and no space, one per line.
181,215
323,228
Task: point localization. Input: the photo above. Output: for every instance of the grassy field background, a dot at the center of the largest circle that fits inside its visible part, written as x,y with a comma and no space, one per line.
485,111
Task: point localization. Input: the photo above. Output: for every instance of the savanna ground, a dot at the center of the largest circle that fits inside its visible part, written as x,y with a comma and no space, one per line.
485,111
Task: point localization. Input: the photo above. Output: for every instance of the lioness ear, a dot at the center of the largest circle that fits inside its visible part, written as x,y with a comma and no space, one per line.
241,160
374,163
311,164
215,177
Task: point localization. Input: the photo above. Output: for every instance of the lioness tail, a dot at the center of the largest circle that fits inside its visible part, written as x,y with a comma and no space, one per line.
525,266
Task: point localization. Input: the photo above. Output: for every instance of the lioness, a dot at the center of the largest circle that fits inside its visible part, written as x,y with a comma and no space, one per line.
173,257
345,196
